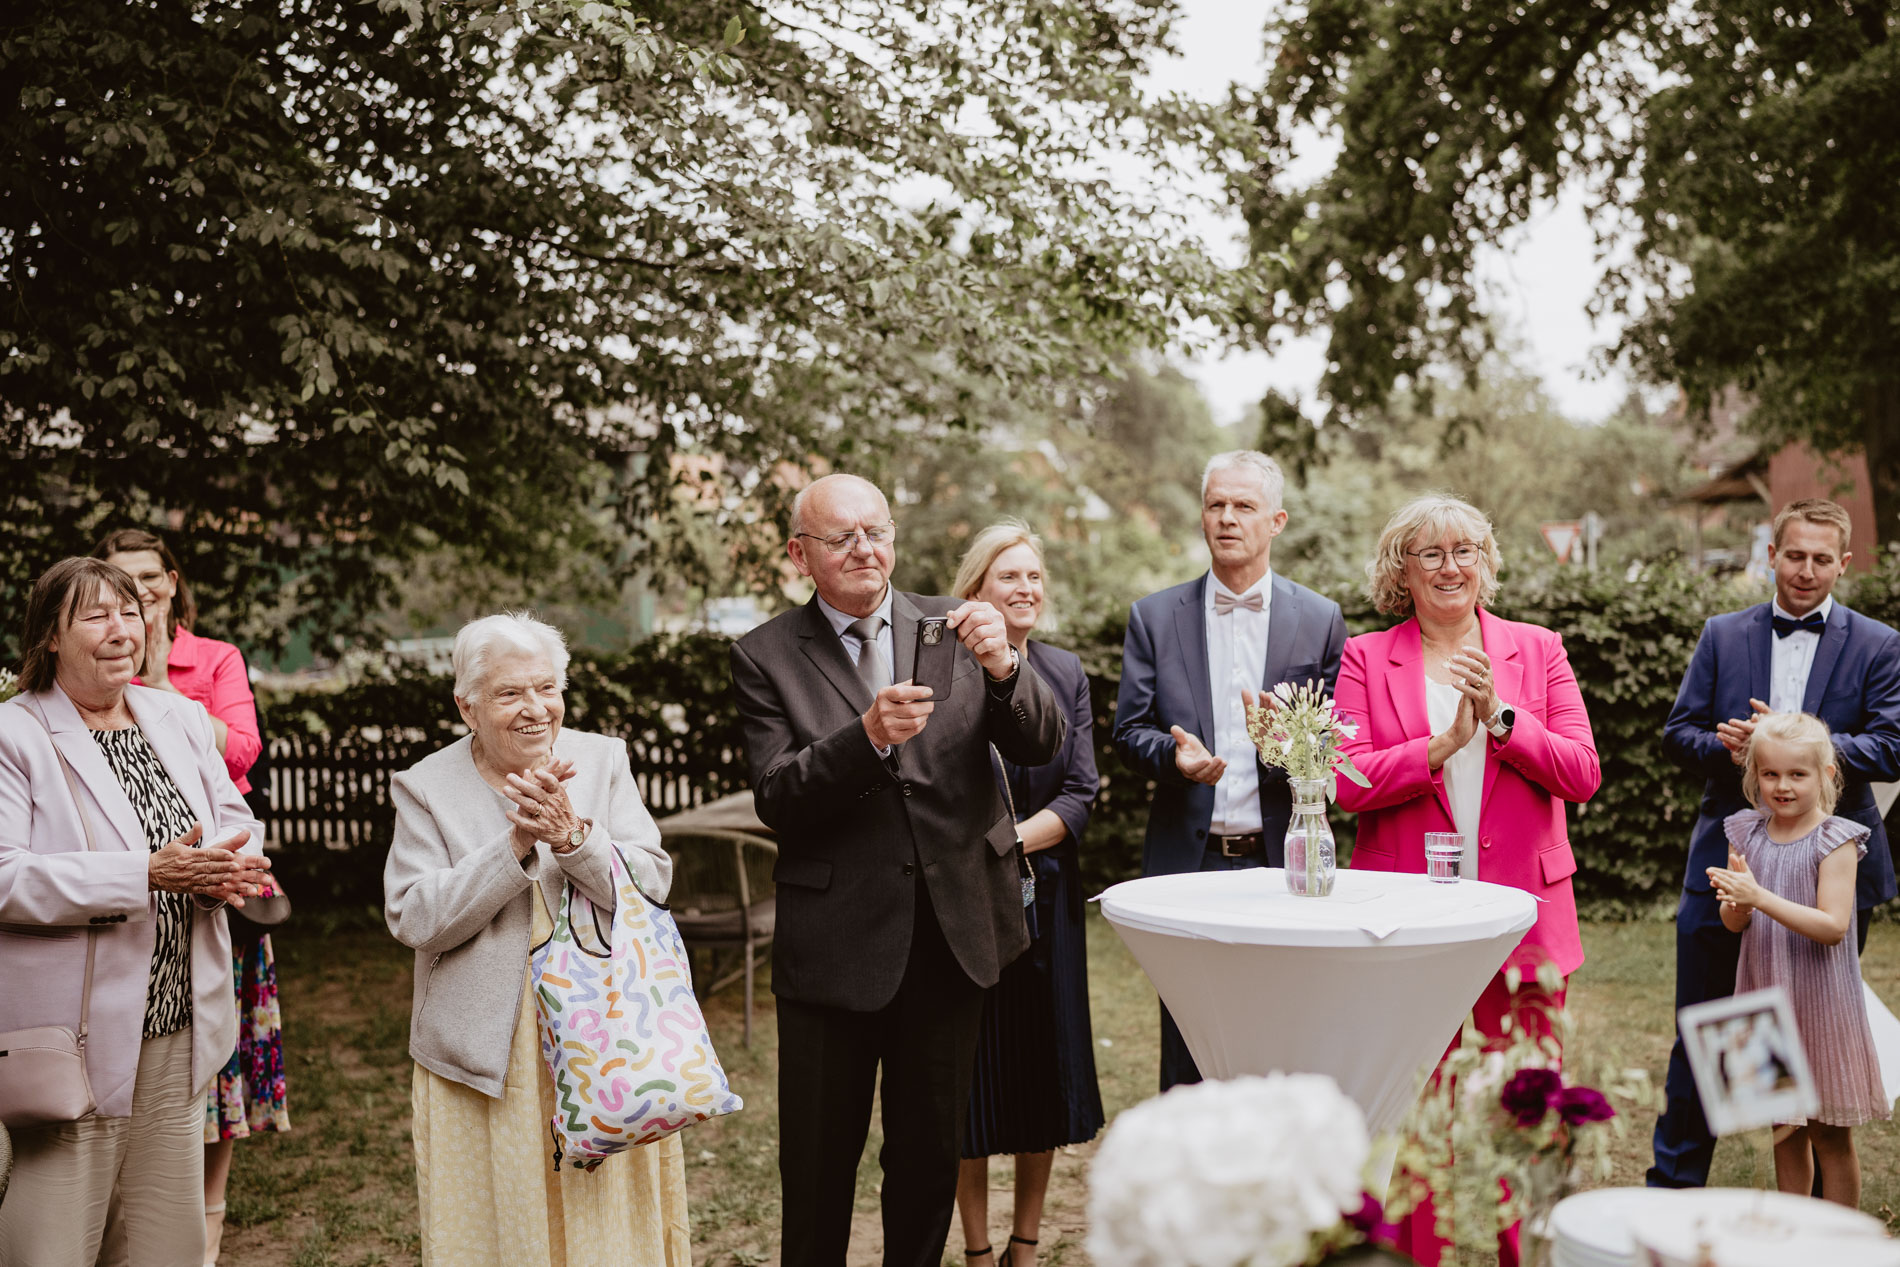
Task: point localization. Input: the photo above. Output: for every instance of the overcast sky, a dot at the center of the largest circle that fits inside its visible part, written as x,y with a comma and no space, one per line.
1540,281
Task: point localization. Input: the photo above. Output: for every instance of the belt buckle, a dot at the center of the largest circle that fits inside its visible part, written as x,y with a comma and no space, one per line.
1229,851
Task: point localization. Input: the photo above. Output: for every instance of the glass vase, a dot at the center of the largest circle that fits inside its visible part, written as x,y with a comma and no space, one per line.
1310,859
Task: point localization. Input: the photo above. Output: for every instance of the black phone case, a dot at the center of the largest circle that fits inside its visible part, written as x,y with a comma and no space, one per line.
936,662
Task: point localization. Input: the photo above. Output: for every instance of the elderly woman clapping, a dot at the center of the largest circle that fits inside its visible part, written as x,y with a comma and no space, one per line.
487,831
121,837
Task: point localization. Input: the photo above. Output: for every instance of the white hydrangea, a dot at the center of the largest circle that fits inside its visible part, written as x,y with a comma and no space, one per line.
1227,1174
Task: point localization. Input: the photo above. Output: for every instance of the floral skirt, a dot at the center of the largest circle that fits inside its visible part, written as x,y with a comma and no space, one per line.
248,1095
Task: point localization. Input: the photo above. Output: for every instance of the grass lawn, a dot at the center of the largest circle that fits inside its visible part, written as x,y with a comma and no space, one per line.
339,1189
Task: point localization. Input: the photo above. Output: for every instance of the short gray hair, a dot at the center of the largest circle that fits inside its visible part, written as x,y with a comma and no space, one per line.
1271,477
479,641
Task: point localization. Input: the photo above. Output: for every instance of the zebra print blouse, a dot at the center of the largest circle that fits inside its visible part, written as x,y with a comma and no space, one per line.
165,816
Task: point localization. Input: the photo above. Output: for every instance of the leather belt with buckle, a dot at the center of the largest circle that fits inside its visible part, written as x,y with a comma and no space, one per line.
1239,846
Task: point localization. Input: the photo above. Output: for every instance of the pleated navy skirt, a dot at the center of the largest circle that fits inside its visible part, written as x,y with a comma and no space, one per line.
1034,1088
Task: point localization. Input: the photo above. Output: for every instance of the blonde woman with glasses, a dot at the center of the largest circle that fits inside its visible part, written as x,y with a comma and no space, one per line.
1467,724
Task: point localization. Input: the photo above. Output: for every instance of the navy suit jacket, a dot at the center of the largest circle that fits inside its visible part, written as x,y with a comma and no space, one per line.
1165,683
1854,687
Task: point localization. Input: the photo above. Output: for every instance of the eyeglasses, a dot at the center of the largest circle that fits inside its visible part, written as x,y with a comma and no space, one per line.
1464,555
846,542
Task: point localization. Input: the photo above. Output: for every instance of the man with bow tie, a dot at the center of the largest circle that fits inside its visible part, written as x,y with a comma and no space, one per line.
1189,653
1801,652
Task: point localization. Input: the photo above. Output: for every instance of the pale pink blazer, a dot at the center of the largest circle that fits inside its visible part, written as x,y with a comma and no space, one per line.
1549,758
52,891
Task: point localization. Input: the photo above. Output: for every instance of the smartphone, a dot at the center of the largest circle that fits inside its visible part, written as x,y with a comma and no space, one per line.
936,656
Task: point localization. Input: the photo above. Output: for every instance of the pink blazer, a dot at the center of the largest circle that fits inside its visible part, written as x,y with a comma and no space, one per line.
212,673
1550,757
52,891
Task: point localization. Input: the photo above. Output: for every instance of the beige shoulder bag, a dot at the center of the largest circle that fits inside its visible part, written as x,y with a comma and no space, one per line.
43,1070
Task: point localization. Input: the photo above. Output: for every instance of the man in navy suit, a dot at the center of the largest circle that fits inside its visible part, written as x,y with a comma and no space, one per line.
1190,652
1801,652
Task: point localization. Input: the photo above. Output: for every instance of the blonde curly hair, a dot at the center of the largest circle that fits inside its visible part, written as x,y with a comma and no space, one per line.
1429,517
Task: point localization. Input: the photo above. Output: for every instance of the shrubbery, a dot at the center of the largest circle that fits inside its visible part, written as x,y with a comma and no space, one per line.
1628,640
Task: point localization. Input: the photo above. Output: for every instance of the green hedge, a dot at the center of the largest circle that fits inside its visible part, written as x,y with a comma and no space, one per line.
1628,640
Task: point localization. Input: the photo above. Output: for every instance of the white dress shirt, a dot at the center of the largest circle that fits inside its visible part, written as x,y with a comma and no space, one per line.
1236,659
1791,659
1463,770
854,645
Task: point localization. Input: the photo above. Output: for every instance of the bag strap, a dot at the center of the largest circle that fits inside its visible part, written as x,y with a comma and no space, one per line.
85,825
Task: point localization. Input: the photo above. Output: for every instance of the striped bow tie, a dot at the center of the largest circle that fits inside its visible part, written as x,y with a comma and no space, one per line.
1224,603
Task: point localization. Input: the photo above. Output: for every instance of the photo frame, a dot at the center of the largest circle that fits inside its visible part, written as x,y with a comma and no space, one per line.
1750,1067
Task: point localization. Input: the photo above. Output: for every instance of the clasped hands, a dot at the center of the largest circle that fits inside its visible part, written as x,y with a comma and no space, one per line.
901,710
540,809
1735,884
216,871
1734,733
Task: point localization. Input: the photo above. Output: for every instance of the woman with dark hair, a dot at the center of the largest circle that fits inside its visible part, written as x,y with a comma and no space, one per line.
250,1093
121,838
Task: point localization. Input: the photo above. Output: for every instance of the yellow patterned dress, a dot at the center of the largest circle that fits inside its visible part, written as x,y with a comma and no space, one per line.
490,1194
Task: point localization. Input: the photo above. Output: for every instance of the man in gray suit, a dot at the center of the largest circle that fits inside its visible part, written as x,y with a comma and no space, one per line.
1190,655
899,900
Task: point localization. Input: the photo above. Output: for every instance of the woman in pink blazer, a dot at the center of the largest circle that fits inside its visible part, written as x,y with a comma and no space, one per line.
1468,724
170,841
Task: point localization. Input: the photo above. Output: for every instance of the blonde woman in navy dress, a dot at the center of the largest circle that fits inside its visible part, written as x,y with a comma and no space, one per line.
1034,1089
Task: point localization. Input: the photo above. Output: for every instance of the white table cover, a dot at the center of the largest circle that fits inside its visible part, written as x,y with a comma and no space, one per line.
1367,986
1611,1227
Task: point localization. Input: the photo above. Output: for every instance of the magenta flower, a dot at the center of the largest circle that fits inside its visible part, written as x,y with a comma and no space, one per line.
1369,1222
1579,1105
1529,1093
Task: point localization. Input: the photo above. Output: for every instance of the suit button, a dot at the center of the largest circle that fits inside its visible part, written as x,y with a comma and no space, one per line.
1484,842
1199,834
906,789
910,868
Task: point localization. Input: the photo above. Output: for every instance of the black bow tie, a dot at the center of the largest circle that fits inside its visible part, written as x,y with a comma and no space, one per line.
1811,623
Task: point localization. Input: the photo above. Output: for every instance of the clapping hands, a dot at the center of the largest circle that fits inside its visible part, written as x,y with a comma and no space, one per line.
1735,884
1735,732
540,809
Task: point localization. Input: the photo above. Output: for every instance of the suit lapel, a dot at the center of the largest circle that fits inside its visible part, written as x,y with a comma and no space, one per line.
1190,631
1283,631
904,618
1507,678
1826,656
1761,637
1405,684
826,651
75,742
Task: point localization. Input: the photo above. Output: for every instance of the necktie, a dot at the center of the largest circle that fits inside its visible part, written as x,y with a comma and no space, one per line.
871,669
1224,603
1811,623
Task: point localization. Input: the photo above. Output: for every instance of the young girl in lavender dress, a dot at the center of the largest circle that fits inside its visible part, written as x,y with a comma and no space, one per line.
1788,890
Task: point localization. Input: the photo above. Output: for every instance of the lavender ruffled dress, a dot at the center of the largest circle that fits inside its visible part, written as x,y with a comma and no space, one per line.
1823,981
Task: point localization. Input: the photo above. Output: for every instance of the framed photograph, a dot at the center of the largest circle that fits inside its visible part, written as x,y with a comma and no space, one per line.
1749,1065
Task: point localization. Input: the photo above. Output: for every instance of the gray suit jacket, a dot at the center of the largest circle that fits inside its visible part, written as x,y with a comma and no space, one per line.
855,828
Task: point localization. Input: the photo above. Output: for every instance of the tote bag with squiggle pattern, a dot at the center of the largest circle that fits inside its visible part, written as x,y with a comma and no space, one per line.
621,1031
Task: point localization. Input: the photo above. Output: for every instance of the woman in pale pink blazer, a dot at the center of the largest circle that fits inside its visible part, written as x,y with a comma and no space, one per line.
1468,724
171,841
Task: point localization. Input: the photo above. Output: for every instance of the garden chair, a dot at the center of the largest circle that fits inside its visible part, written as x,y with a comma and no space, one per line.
722,896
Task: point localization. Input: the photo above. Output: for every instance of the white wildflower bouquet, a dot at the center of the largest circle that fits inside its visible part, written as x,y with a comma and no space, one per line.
9,685
1297,729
